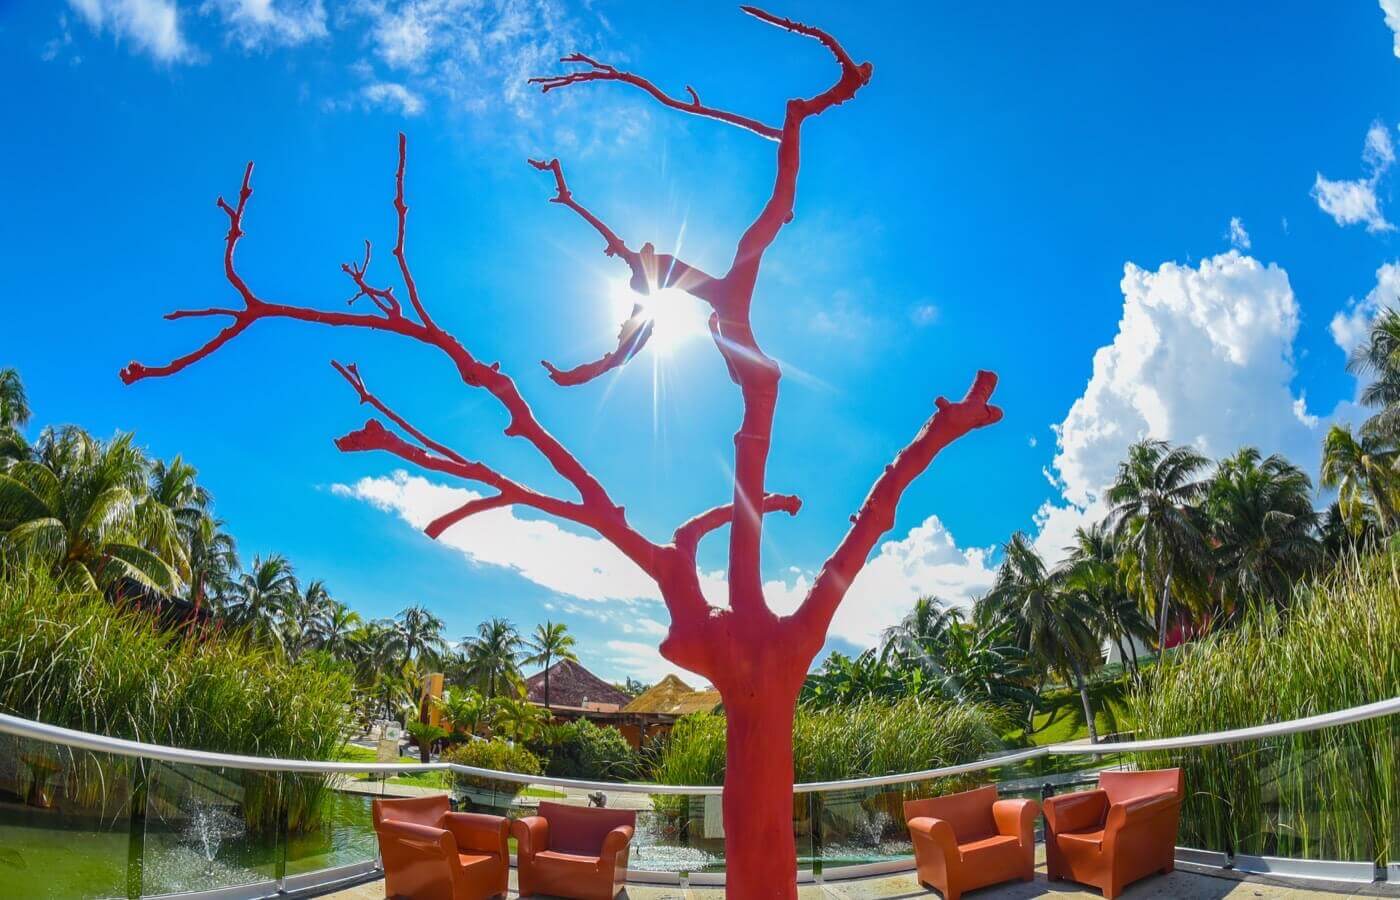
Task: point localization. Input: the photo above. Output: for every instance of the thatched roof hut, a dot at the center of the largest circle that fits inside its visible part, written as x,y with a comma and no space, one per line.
571,685
672,697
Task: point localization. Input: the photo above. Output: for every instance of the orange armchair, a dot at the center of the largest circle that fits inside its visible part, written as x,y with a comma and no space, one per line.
432,853
1111,837
970,840
573,851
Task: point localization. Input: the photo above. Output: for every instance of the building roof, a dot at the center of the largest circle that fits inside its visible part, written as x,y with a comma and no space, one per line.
570,684
673,697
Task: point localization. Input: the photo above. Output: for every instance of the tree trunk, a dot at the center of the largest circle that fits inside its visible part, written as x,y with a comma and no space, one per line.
1035,701
1162,616
546,681
759,847
1132,646
1088,709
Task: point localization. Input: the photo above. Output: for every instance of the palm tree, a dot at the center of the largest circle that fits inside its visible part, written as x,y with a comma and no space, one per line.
14,404
418,634
1378,357
844,680
1361,471
337,628
73,507
14,415
921,629
263,594
549,642
1153,516
1050,624
213,562
1263,526
174,507
493,654
1094,571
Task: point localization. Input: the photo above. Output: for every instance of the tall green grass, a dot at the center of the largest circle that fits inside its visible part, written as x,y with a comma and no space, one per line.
1331,794
870,738
71,659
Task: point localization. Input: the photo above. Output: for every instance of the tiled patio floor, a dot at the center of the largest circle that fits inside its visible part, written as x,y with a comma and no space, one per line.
1180,885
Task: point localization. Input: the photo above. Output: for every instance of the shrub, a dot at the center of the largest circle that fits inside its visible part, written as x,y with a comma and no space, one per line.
1331,794
581,749
499,756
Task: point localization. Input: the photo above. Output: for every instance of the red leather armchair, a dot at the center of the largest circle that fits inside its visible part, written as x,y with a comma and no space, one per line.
971,840
432,853
573,851
1111,837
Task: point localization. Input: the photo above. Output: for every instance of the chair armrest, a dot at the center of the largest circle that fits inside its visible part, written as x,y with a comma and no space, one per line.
531,835
1076,812
616,841
1140,809
477,831
1016,818
938,832
419,837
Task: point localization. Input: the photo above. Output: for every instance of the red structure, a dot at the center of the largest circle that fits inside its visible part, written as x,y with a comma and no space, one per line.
754,657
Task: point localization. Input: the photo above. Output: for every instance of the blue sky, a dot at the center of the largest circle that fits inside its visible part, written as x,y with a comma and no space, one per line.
1042,191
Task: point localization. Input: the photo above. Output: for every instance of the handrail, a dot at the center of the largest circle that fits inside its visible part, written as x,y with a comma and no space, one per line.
26,728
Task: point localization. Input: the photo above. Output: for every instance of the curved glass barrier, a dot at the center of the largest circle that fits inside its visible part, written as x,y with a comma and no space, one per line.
85,823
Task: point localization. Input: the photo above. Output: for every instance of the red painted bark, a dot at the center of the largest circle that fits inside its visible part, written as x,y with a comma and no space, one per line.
755,658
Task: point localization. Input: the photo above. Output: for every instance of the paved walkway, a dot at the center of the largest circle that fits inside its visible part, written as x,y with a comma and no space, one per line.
1180,885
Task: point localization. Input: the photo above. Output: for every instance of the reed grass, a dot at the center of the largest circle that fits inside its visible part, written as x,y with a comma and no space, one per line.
1330,794
71,659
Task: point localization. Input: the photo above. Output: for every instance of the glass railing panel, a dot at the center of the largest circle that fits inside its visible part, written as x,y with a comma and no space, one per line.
681,833
210,827
329,821
65,822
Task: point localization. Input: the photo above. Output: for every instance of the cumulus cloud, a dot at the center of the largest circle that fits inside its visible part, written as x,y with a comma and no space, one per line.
926,561
152,26
1391,9
1355,202
260,23
1350,326
1203,356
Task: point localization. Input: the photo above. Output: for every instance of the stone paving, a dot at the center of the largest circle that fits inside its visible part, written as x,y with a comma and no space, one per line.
1180,885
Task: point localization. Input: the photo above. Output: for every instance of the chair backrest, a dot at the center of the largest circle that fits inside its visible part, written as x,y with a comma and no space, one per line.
581,829
970,813
1124,786
417,810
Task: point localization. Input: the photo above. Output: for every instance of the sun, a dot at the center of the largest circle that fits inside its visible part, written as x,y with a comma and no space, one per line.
676,316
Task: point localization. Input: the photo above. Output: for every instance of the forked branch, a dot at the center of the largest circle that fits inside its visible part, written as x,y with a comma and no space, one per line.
876,515
595,509
688,536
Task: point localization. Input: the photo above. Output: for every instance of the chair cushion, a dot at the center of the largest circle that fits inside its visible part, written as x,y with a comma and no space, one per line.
1084,838
991,846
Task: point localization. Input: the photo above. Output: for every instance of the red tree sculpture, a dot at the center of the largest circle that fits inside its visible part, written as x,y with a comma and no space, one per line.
755,658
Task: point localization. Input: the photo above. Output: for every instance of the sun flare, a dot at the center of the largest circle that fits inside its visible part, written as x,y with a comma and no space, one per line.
676,316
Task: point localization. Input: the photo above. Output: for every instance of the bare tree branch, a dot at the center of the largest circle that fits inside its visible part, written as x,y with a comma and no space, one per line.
689,534
876,515
597,71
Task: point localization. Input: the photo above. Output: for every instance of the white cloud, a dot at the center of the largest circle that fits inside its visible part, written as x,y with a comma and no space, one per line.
926,561
585,567
1239,238
1354,202
392,96
259,23
1391,8
1350,326
642,661
1203,356
152,25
